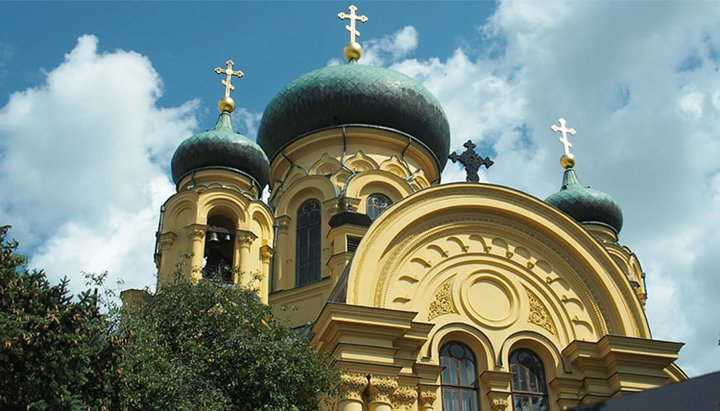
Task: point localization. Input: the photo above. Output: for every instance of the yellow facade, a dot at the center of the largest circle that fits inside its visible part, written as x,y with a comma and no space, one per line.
483,265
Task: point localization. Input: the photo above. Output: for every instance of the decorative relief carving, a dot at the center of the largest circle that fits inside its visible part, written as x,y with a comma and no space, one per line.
395,166
197,234
382,388
283,222
442,301
361,162
266,252
404,397
332,208
166,240
352,385
500,404
244,238
427,397
325,166
539,315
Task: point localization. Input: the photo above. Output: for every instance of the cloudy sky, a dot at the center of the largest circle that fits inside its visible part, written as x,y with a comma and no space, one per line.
94,98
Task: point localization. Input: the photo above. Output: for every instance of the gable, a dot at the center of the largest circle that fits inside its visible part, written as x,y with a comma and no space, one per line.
497,259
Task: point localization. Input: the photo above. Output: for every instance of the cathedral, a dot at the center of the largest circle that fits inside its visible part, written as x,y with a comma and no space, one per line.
428,296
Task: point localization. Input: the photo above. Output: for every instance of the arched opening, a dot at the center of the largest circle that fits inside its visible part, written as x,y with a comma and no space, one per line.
529,389
307,251
459,377
376,204
219,246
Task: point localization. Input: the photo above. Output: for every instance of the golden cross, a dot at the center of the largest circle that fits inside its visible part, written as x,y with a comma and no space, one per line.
564,131
228,72
353,18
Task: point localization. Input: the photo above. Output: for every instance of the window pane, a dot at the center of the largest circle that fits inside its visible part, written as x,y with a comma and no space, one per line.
376,204
451,399
528,382
307,259
469,400
458,377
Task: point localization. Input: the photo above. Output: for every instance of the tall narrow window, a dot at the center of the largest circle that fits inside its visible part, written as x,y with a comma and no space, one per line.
376,204
529,390
307,258
459,378
219,242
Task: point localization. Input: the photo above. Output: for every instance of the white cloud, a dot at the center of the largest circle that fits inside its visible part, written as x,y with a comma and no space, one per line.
377,52
84,156
646,119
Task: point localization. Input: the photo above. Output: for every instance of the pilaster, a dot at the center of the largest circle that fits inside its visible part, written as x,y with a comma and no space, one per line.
196,237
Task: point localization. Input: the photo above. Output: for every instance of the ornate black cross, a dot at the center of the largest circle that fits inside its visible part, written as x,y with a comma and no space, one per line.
472,161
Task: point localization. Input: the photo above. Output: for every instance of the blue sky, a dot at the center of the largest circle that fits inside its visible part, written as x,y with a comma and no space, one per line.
271,42
95,97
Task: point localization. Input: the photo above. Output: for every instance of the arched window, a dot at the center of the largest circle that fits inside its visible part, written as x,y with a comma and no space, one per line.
459,378
376,204
529,390
307,258
219,242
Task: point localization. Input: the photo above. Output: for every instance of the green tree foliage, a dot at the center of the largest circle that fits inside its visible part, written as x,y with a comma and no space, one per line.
208,346
213,346
56,352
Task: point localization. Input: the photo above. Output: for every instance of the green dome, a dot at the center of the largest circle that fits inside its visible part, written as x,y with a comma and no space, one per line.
221,147
585,204
354,94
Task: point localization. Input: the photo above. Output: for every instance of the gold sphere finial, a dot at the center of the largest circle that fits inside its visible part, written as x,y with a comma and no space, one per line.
226,105
567,161
353,51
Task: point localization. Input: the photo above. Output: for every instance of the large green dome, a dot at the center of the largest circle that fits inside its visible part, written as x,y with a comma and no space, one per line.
221,147
584,204
354,94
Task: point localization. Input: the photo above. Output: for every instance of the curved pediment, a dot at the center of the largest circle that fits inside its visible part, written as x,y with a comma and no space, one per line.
496,258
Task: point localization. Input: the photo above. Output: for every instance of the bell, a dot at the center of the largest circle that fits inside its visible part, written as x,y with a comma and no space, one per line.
227,237
213,238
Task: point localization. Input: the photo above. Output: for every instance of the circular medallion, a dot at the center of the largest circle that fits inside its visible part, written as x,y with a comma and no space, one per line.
489,299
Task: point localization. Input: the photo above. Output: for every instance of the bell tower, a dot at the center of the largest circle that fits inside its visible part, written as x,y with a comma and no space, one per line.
216,225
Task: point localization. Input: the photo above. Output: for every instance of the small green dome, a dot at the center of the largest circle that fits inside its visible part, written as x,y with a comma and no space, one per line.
354,94
585,204
221,147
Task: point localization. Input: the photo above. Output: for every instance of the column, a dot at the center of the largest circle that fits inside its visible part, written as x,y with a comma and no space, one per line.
266,254
404,397
244,240
196,234
428,395
283,264
381,389
352,386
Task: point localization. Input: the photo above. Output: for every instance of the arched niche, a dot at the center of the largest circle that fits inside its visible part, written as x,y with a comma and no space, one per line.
377,181
478,343
317,187
233,207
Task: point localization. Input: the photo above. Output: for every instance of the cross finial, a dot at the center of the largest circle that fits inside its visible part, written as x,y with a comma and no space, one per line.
568,159
227,103
472,161
353,51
